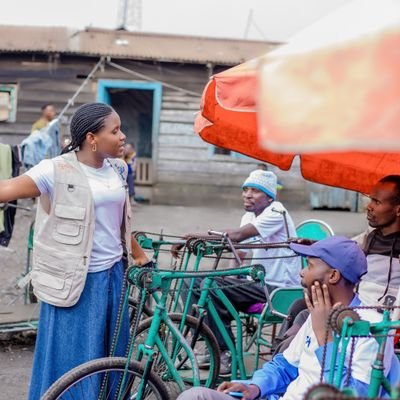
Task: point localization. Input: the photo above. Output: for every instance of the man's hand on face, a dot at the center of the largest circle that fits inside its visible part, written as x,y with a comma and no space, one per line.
320,307
250,392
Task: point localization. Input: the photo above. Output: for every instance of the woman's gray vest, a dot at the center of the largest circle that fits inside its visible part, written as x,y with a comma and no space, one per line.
64,233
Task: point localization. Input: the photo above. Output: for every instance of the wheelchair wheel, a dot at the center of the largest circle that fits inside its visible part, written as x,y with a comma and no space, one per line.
101,379
205,345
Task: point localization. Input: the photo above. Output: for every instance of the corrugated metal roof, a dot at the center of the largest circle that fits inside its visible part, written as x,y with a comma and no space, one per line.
22,38
133,45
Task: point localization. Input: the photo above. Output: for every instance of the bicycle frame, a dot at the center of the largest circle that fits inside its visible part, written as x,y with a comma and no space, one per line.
202,249
146,350
147,243
205,304
361,328
151,280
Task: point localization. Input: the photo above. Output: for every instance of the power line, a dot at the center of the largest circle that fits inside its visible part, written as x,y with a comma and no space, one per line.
150,79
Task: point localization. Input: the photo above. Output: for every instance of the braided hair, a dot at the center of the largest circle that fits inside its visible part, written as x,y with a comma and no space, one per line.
89,117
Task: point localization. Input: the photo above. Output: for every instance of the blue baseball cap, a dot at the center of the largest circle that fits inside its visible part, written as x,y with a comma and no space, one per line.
339,253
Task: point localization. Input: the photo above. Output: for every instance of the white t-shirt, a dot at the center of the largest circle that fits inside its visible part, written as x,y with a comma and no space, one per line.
109,198
301,354
282,266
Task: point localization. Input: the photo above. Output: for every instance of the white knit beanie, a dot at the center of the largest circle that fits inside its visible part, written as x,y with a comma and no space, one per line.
266,181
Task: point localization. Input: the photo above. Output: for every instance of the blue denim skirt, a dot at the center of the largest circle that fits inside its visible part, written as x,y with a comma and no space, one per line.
68,337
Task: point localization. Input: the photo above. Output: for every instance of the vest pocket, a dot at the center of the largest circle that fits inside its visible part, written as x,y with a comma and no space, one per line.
66,233
50,281
68,229
53,275
70,212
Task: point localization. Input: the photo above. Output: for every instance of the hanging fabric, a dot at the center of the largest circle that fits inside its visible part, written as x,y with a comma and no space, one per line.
5,172
41,144
10,164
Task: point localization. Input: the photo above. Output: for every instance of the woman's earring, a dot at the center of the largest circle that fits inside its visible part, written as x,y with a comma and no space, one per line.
94,147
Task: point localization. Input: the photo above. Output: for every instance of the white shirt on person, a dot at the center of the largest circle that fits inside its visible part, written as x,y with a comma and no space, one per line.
302,354
282,265
108,197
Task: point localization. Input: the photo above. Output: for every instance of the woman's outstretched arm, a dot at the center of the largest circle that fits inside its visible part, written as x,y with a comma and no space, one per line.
21,187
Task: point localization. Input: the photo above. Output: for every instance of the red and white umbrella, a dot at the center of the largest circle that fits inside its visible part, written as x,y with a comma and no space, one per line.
331,96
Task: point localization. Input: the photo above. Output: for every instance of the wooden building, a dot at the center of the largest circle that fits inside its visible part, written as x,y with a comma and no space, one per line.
153,81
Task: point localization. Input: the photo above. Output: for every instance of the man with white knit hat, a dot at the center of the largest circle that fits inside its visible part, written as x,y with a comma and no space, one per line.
265,221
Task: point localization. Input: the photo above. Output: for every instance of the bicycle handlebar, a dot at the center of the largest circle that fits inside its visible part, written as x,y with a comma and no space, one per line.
225,237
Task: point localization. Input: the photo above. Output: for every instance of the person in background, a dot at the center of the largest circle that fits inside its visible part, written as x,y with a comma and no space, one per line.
130,159
48,114
381,244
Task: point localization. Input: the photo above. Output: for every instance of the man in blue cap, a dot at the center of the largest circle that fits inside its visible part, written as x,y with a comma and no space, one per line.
335,266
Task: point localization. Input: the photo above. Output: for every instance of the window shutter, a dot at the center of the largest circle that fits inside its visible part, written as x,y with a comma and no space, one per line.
5,106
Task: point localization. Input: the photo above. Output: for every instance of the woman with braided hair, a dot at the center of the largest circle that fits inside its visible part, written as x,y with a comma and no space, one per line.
81,246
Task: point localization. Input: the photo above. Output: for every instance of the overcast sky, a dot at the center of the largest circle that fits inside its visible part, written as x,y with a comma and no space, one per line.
271,19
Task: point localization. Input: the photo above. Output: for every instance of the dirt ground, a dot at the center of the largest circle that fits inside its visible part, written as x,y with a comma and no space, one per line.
16,356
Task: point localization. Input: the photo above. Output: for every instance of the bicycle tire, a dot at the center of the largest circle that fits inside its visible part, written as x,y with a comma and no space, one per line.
133,305
66,387
205,335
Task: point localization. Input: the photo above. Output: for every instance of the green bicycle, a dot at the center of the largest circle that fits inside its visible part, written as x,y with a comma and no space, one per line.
134,376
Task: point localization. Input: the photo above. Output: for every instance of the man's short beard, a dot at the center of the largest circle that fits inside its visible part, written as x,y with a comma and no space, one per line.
380,226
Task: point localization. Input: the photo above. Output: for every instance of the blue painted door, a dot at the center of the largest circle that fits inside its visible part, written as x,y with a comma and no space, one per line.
139,106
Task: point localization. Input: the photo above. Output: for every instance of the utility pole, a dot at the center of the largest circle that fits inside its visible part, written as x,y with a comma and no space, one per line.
130,15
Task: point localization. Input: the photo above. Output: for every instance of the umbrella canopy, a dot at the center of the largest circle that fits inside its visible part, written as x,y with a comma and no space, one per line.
331,96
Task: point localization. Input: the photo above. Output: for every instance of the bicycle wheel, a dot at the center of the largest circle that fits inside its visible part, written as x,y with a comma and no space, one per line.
133,305
101,380
205,344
